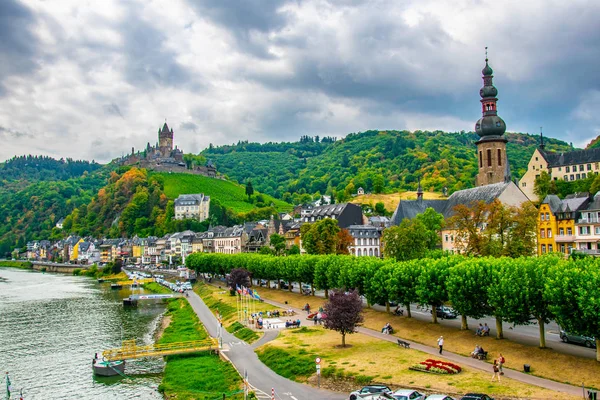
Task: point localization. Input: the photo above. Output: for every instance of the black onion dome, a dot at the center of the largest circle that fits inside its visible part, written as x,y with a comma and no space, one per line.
488,91
487,70
490,125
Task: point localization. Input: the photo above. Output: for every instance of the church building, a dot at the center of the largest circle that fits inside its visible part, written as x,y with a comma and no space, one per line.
493,180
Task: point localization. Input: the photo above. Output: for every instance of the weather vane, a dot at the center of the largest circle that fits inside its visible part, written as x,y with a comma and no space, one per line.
486,57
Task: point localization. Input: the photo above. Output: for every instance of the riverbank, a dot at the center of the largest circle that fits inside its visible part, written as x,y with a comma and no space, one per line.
16,264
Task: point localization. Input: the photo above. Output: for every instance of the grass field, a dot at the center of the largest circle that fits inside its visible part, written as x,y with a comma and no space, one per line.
391,200
16,264
230,194
544,362
200,376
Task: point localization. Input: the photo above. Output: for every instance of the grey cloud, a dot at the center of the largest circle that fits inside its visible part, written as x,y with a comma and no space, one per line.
112,109
8,133
188,126
18,46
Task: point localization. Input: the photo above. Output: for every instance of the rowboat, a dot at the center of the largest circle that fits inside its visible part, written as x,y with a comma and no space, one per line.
108,368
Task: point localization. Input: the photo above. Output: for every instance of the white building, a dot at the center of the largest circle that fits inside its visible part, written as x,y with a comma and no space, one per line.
192,206
367,240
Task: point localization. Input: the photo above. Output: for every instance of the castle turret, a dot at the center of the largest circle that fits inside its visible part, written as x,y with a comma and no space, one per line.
491,147
165,141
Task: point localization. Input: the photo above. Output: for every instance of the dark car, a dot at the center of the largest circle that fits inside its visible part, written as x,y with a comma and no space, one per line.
476,396
371,389
572,338
444,312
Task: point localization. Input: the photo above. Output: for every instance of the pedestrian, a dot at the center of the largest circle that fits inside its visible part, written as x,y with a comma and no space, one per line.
441,343
501,361
496,371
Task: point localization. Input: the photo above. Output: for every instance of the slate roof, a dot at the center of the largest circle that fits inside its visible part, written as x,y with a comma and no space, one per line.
191,198
574,202
553,201
410,208
364,231
595,203
326,210
571,157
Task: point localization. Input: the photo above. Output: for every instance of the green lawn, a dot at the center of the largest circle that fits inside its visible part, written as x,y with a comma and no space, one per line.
230,195
16,264
201,376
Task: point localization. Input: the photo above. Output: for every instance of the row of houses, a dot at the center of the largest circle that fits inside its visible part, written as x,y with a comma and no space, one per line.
249,237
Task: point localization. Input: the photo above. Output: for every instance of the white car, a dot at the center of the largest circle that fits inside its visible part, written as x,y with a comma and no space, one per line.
439,397
407,394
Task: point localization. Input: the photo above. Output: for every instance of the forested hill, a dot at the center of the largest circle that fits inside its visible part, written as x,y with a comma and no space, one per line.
385,161
41,168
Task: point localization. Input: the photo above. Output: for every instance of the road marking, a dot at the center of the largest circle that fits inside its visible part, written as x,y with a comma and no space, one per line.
293,398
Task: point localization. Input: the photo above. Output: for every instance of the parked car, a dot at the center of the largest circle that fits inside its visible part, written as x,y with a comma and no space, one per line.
439,397
407,394
587,341
476,396
445,312
371,389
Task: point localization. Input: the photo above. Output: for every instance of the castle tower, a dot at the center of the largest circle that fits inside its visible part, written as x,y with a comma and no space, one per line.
491,147
165,141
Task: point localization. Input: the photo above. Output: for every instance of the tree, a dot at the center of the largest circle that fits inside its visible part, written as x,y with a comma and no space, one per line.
237,278
378,183
433,222
344,241
380,208
249,189
541,185
344,312
294,249
406,241
403,283
320,237
278,243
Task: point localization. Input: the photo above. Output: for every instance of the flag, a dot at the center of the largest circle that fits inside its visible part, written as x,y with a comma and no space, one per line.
237,288
245,290
256,296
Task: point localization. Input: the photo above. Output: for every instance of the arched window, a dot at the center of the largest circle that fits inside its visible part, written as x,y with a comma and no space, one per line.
370,252
499,157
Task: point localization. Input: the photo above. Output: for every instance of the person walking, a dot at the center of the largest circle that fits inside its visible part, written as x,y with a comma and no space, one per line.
441,343
501,361
496,371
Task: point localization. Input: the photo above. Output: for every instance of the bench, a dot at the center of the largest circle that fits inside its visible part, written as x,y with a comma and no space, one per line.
404,344
482,356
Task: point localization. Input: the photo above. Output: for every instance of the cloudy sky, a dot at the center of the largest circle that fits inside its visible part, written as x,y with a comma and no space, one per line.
91,79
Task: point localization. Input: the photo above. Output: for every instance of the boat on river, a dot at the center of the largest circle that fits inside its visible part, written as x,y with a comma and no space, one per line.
108,368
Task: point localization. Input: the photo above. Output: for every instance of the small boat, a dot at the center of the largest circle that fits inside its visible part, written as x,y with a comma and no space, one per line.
100,280
115,286
108,368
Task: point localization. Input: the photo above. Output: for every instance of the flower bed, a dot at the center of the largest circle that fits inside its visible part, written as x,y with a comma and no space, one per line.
436,367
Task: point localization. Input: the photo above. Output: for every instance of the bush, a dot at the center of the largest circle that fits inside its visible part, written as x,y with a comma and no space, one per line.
77,271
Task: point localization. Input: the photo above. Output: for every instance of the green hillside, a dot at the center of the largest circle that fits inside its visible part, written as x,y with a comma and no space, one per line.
378,161
229,194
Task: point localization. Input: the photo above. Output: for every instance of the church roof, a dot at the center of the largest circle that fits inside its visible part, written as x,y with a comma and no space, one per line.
411,208
555,159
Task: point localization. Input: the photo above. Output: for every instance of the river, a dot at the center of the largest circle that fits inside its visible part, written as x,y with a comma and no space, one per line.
50,327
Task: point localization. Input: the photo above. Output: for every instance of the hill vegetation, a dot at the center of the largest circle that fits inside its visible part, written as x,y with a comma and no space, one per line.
41,168
378,161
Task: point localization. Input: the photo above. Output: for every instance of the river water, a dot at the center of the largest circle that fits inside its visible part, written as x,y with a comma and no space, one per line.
50,327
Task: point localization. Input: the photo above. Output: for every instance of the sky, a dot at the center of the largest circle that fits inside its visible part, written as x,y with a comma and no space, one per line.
91,79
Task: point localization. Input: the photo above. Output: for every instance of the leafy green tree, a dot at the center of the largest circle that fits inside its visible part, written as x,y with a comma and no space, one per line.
380,208
541,185
431,284
403,283
278,243
378,183
344,313
249,189
406,241
294,249
320,237
433,222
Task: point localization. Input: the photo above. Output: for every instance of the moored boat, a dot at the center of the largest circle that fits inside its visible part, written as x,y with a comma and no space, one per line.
108,368
115,286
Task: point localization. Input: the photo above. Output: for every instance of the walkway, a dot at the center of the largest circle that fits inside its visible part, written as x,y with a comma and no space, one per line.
242,356
462,360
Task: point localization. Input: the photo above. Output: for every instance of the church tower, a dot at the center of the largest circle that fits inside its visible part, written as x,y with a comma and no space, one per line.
491,147
165,141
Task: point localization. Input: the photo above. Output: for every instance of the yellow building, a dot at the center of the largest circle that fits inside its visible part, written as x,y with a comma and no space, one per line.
556,218
74,255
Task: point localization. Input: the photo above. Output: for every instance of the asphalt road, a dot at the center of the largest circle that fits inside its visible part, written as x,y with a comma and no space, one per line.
261,378
524,334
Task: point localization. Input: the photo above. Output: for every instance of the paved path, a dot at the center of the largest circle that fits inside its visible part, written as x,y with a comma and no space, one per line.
262,378
462,360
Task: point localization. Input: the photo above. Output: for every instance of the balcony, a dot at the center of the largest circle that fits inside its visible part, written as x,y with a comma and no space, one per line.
593,220
591,252
564,238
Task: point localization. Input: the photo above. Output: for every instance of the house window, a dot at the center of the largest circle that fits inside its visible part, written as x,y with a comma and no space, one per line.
542,217
489,157
589,167
480,159
523,184
581,168
597,230
547,216
499,157
543,233
567,169
549,232
562,248
561,232
543,248
572,177
566,177
550,248
584,230
569,232
578,176
560,168
536,159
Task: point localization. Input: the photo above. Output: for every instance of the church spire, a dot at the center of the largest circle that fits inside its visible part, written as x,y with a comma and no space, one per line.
542,145
490,124
419,191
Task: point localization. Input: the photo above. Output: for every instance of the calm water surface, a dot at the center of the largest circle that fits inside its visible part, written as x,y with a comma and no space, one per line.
50,327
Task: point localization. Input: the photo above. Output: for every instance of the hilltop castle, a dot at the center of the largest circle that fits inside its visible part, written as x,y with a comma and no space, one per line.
163,157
